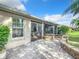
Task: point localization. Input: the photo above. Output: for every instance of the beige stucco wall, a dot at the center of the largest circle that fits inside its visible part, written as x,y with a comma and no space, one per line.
6,19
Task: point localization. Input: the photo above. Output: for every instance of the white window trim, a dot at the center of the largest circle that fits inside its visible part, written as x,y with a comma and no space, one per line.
18,38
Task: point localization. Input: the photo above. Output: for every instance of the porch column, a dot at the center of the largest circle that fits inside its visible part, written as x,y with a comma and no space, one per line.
53,32
42,30
36,27
57,30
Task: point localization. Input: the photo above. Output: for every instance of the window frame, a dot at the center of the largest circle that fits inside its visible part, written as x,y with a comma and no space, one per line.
17,27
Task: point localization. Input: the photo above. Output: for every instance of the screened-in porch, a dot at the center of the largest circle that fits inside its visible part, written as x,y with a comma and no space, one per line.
36,31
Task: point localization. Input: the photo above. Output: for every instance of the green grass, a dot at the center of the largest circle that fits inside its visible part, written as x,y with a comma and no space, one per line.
74,33
74,37
76,45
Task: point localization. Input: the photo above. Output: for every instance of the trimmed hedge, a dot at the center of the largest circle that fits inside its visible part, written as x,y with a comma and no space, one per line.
4,34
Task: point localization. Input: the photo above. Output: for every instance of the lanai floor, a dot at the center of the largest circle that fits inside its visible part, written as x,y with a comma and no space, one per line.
39,49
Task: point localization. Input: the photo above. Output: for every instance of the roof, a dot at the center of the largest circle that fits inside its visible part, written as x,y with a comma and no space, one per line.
22,13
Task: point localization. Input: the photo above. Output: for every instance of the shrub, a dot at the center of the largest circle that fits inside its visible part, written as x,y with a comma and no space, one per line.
63,29
4,34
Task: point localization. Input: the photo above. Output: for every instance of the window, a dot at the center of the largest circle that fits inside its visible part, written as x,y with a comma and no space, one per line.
40,28
34,27
48,29
17,27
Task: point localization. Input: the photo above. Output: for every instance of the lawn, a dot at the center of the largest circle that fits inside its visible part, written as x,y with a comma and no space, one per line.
74,44
74,38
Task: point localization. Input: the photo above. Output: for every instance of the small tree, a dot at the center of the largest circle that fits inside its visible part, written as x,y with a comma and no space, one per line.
63,29
4,34
76,23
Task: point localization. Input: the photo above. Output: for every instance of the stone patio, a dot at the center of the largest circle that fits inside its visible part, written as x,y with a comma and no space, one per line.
40,49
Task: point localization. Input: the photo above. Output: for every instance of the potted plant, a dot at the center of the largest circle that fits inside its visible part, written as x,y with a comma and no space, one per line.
4,34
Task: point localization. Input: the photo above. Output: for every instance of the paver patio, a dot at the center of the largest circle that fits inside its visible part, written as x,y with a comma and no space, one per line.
39,49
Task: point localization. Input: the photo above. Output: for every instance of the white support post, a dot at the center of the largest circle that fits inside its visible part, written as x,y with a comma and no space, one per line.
42,29
37,27
57,30
53,32
53,29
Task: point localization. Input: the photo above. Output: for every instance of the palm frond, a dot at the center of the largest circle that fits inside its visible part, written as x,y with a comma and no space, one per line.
73,8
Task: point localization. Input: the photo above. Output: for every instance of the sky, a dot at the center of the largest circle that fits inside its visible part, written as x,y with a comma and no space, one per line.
46,7
49,10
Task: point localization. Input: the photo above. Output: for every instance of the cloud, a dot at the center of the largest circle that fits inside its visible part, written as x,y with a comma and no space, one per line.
52,18
76,16
58,18
14,4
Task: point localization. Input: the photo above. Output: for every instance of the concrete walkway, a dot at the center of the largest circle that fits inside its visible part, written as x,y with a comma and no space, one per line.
39,50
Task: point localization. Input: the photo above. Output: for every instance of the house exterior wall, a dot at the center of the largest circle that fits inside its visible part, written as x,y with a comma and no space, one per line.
6,19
